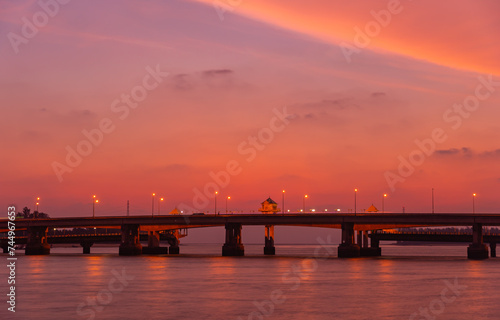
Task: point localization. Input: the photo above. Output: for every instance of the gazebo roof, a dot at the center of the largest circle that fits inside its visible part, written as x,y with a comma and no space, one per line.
269,200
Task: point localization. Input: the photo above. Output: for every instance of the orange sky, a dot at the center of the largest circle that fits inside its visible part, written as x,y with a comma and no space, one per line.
349,124
456,34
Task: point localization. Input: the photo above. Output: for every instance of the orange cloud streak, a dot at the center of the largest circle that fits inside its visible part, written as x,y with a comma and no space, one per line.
456,34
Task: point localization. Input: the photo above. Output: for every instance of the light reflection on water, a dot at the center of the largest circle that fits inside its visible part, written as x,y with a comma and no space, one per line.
208,286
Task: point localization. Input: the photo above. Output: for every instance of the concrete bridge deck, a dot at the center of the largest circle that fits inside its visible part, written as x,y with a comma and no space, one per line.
361,221
349,223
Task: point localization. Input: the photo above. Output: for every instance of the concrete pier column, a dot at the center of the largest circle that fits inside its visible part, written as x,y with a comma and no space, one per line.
493,249
174,245
37,241
233,245
154,244
372,250
366,243
86,246
348,249
477,250
130,245
269,248
5,246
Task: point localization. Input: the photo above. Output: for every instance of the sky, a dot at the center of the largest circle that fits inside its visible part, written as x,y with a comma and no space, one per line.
182,98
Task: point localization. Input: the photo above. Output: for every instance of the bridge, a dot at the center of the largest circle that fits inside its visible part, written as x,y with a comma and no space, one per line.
363,224
88,240
429,236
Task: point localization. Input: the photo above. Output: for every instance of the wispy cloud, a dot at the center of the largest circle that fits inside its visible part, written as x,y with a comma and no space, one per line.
468,153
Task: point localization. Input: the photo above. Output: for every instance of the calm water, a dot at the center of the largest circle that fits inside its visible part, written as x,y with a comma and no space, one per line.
199,284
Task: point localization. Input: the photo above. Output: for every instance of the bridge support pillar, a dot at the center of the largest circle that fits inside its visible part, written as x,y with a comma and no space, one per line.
5,246
367,250
348,249
154,244
37,241
269,248
493,249
130,245
233,245
366,243
86,246
477,250
372,250
174,244
359,240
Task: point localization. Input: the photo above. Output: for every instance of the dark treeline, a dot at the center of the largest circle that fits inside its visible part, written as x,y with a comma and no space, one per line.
486,230
26,214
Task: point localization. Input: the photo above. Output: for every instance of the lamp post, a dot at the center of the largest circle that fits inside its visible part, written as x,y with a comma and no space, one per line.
94,201
159,201
383,198
215,209
432,200
355,194
37,203
153,205
283,198
304,203
228,198
474,203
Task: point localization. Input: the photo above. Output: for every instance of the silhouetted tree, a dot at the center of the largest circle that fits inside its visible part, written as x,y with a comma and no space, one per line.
41,215
25,214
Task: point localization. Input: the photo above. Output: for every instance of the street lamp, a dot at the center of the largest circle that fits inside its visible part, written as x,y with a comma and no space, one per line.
215,209
355,194
159,201
432,200
228,198
283,209
385,196
304,203
94,201
37,203
473,203
153,205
